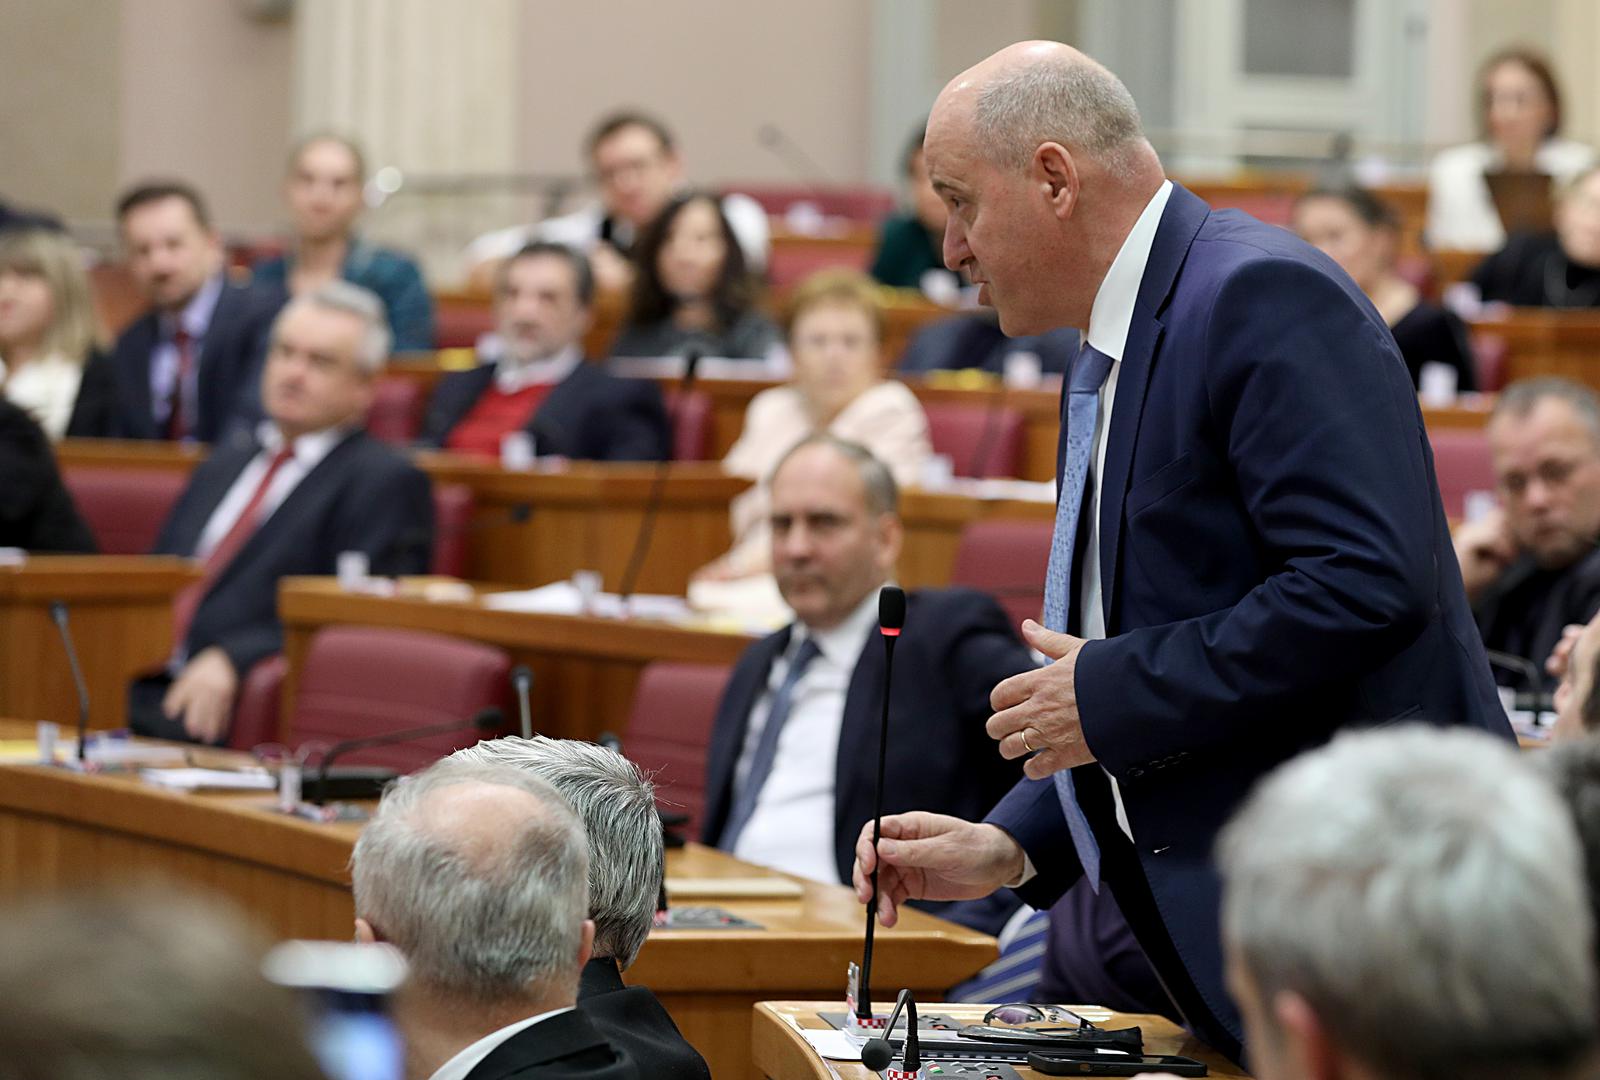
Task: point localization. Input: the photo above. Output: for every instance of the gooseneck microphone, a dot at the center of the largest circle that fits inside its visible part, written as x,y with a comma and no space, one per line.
876,1054
793,155
483,720
891,618
58,615
658,487
522,681
983,452
1530,673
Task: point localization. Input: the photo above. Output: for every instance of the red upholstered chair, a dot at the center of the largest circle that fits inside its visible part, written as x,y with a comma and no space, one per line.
255,715
452,514
1490,354
124,508
396,413
966,433
367,680
858,203
1007,560
796,260
1462,463
669,728
459,324
691,424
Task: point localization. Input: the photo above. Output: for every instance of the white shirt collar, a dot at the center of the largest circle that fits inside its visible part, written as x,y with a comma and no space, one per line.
469,1058
511,375
1112,312
842,644
196,314
309,450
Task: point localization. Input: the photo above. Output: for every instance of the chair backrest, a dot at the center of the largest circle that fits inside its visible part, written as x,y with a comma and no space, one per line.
255,712
124,508
980,440
396,413
452,515
1006,559
367,680
459,324
857,203
1490,355
691,424
1462,462
792,261
669,729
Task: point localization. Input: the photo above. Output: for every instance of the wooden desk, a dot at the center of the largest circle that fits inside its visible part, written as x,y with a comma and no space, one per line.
1546,342
584,669
58,828
781,1053
120,611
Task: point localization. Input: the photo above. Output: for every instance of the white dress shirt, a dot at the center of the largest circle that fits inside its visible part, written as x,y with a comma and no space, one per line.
309,450
791,828
458,1067
195,319
46,389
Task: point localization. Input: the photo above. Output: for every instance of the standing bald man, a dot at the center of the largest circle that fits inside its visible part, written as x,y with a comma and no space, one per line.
1250,552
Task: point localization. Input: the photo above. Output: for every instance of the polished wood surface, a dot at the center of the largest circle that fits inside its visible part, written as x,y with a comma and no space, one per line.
59,828
584,669
1541,341
782,1053
120,614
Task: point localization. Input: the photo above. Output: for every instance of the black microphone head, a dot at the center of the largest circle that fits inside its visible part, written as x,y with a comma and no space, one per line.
691,364
876,1054
891,608
58,612
490,719
609,740
520,512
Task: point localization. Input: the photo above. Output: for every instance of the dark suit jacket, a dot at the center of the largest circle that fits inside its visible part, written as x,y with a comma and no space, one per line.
36,510
231,355
1522,614
956,646
1275,560
590,415
633,1020
94,413
361,497
562,1047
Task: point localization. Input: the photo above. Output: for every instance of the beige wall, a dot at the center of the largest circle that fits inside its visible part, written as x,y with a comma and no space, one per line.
59,121
205,95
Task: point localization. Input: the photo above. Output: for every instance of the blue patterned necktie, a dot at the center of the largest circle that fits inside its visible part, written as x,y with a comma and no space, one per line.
744,805
1088,374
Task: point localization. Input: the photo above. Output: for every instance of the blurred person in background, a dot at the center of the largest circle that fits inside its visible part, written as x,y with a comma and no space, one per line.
911,243
1559,269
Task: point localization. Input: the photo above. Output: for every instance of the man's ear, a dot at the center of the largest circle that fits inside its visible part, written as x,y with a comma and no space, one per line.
365,934
586,947
1056,173
1309,1049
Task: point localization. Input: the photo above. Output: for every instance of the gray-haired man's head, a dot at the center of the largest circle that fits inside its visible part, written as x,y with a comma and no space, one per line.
1410,903
328,346
479,874
616,802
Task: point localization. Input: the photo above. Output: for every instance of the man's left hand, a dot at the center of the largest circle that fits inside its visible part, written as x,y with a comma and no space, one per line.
203,695
1038,710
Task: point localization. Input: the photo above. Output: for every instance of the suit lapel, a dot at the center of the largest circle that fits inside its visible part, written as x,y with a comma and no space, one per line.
1180,221
207,499
554,421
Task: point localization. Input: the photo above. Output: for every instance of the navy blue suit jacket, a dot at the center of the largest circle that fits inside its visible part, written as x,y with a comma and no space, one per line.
361,497
956,646
1275,563
230,360
591,415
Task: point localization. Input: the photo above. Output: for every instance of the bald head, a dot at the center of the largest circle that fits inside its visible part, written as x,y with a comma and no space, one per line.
479,874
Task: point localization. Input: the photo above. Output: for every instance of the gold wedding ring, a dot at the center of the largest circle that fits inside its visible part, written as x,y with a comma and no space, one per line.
1025,744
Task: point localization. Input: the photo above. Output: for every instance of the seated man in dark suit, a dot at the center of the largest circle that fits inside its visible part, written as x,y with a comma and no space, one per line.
538,381
1533,567
794,792
310,486
189,368
617,805
479,875
36,510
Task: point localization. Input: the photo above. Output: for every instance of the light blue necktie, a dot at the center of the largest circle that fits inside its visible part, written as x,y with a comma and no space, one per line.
1089,372
744,804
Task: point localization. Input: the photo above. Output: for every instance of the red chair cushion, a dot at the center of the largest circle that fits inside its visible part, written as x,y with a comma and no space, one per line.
1006,559
124,508
1490,355
966,432
396,413
669,728
452,514
1462,462
691,424
255,714
366,680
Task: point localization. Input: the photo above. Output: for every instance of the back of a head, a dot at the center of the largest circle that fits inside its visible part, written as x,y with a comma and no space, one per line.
1575,768
616,802
155,984
478,874
1421,890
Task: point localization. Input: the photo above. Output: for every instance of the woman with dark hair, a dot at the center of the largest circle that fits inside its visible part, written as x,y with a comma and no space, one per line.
1519,118
693,291
1358,231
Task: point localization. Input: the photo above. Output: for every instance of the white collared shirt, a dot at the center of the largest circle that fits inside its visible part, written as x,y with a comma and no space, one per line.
309,450
195,320
458,1067
791,828
512,375
46,389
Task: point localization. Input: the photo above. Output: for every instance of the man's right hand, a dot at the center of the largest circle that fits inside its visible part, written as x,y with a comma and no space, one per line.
1484,549
933,857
